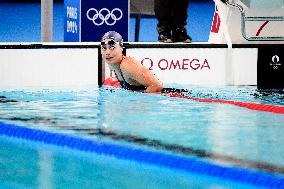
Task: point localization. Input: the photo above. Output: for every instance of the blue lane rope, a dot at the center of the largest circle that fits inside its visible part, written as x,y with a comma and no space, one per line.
190,165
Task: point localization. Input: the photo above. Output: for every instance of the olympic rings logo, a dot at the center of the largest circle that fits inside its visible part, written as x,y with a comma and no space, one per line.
104,16
275,62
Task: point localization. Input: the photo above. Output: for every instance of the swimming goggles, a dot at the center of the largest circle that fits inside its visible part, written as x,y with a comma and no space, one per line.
111,43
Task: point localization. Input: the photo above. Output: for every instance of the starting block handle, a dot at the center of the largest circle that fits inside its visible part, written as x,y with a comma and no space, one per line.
264,18
245,19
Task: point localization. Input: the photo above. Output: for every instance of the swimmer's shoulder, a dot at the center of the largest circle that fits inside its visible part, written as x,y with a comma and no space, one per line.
128,61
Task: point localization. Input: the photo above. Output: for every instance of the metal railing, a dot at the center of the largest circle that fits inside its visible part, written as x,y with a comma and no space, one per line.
245,19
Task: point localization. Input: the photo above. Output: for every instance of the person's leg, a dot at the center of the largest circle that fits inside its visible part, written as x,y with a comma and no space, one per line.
163,12
180,16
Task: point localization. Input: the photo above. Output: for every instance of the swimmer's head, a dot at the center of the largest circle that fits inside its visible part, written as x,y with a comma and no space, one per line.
111,47
113,37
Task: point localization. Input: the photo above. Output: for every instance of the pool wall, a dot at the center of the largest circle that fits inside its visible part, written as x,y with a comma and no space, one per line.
37,65
65,64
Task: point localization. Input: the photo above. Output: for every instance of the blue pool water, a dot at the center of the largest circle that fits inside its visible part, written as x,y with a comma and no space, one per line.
29,165
220,134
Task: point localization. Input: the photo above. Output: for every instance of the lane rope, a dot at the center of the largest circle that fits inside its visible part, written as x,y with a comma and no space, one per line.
159,145
252,106
190,165
249,105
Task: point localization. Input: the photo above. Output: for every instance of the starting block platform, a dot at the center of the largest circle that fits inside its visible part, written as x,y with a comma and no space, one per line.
248,21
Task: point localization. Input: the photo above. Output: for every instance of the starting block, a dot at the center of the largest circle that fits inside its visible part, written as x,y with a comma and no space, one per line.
260,4
248,21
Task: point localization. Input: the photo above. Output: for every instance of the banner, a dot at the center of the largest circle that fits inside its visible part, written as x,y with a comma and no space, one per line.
184,65
270,66
72,22
89,20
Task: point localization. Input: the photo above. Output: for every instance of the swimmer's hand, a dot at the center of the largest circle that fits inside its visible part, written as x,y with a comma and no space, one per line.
154,89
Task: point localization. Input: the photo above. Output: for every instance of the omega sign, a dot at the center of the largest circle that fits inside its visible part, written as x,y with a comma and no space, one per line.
193,64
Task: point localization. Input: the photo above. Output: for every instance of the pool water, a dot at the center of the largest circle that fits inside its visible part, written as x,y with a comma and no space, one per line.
30,165
219,133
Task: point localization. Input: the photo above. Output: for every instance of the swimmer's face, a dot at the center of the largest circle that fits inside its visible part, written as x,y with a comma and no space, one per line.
111,51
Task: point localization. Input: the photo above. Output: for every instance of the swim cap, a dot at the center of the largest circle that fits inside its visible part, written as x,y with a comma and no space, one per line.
113,35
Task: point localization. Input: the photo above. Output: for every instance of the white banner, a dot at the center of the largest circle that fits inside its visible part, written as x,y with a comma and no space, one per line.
184,65
48,67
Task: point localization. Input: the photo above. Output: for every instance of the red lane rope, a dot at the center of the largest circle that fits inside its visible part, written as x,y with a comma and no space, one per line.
249,105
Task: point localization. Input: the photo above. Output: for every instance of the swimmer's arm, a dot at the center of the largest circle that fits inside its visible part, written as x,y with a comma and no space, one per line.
143,76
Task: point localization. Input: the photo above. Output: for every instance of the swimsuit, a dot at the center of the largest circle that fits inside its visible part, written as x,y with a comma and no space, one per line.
126,85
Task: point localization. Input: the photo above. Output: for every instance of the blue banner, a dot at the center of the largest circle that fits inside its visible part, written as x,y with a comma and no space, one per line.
101,16
72,20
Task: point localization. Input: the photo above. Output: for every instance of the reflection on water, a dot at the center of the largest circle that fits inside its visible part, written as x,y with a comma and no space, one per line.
270,96
219,132
24,164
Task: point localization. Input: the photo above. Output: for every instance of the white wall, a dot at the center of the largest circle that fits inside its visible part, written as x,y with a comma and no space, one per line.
48,67
56,67
244,66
